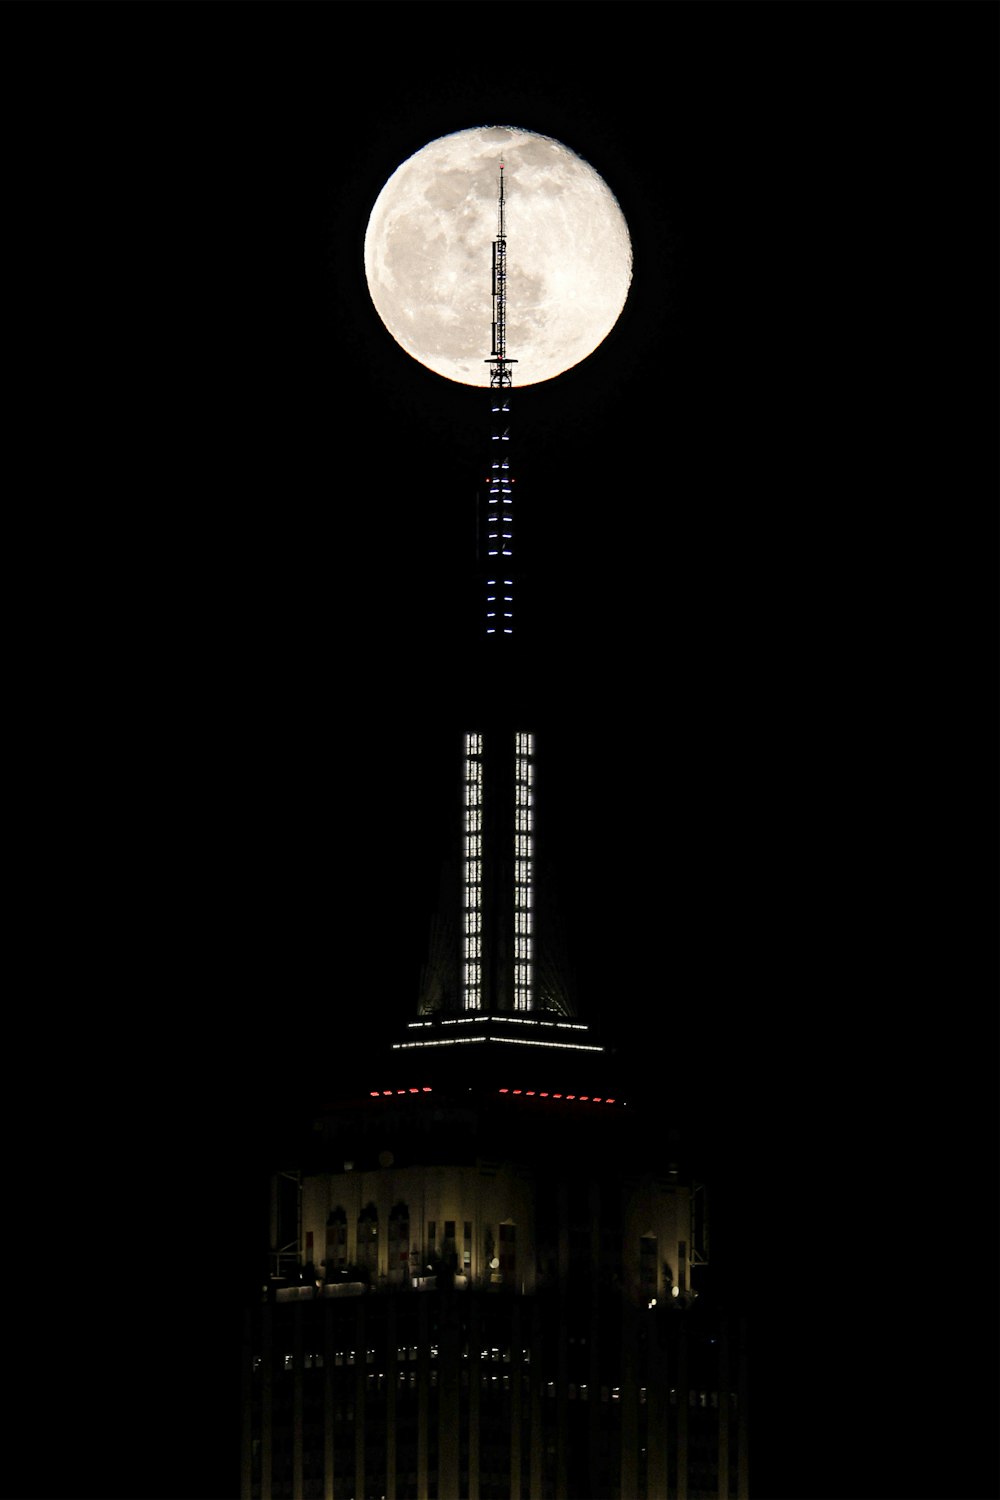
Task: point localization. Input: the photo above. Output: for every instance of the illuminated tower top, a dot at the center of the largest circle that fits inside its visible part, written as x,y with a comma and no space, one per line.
486,981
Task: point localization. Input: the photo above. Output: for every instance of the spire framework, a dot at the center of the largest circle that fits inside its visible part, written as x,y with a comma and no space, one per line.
500,372
496,516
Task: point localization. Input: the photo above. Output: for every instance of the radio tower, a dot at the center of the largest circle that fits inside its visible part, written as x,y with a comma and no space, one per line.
497,521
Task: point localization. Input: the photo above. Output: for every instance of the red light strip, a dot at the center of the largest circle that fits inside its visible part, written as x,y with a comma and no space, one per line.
388,1093
544,1094
527,1093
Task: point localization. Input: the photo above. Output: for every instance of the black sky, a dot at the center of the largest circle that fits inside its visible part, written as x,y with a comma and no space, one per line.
767,641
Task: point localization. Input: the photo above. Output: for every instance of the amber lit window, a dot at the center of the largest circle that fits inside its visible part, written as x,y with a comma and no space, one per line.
368,1239
336,1239
399,1238
647,1265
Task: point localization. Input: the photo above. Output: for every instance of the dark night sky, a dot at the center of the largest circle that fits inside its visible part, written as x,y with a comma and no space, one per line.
767,710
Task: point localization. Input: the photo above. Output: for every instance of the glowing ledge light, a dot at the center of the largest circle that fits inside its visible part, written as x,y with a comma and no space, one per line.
511,1041
530,1042
448,1041
505,1020
543,1094
377,1093
530,1021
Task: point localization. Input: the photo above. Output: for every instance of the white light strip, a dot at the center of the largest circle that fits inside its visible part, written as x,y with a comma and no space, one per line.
503,1020
472,979
524,746
530,1042
449,1041
531,1021
455,1041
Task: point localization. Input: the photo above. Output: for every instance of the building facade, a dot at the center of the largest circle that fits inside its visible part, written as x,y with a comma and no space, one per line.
483,1289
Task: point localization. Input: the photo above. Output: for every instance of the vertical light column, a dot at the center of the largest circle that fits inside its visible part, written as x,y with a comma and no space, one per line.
472,876
524,771
500,526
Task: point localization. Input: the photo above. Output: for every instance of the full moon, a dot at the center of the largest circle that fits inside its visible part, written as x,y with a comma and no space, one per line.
428,254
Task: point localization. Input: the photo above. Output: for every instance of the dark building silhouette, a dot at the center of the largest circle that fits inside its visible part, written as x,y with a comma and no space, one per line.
484,1268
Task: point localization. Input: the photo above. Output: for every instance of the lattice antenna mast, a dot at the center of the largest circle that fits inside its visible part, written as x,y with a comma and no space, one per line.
496,525
500,372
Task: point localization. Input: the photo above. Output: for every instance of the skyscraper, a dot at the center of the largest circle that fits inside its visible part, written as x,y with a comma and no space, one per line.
484,1263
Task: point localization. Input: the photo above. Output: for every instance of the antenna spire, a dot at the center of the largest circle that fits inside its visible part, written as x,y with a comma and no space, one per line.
496,514
500,373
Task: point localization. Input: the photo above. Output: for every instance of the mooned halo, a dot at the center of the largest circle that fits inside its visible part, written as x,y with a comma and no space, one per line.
428,254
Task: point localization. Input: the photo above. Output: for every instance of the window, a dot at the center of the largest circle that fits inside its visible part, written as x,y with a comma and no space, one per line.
336,1239
647,1265
508,1253
399,1241
368,1239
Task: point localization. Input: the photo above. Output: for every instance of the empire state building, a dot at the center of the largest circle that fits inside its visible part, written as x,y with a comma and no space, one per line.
484,1276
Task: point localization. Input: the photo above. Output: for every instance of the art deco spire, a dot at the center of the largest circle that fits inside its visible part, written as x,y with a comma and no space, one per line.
488,969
